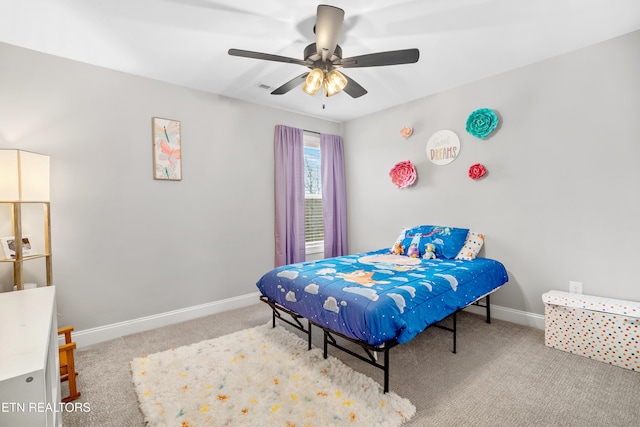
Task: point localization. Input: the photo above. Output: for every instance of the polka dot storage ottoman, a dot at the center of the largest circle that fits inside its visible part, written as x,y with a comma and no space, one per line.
599,328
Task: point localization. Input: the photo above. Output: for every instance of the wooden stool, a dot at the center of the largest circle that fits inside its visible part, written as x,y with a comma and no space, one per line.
67,363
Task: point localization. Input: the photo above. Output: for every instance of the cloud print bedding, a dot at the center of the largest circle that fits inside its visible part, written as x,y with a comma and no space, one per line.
377,297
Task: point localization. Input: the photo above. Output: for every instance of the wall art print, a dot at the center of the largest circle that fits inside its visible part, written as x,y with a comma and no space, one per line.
167,145
443,147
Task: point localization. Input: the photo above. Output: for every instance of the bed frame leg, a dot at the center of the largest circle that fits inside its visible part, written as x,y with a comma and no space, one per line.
326,345
455,331
386,370
295,319
488,308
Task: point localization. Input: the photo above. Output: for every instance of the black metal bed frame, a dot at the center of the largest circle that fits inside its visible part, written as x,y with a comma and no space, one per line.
371,351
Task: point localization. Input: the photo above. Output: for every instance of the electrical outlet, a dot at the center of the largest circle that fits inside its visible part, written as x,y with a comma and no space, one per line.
575,287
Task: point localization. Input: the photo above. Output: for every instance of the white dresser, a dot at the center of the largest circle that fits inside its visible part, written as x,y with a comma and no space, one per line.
29,371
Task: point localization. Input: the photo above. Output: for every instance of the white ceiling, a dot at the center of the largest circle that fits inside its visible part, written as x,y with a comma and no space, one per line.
186,41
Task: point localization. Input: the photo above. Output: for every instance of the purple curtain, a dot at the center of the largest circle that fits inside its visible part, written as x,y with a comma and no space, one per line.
334,196
289,195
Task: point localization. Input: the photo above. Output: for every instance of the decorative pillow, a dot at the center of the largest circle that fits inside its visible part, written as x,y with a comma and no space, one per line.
472,246
447,240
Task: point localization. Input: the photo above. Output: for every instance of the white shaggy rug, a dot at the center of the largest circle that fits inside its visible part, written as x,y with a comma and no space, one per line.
258,377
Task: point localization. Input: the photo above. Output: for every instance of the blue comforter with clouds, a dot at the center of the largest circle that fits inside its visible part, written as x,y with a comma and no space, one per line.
376,297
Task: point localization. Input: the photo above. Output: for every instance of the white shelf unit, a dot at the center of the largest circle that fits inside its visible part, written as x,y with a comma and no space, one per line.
17,231
29,368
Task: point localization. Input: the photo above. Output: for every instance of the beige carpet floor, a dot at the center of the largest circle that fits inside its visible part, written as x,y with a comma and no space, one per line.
502,375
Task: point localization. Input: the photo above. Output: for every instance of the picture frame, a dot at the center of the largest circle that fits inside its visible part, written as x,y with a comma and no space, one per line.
9,249
167,146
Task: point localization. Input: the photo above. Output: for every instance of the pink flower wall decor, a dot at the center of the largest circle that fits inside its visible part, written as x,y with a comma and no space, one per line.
406,132
403,174
477,171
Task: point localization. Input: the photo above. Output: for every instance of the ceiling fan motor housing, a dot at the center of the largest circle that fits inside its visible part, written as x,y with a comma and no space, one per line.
315,61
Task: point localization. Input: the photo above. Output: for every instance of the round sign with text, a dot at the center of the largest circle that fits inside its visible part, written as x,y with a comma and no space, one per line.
443,147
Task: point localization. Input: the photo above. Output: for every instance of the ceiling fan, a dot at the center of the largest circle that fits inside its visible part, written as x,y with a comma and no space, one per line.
324,57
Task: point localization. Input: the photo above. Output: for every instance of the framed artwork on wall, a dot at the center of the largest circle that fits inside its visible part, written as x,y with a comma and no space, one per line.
167,145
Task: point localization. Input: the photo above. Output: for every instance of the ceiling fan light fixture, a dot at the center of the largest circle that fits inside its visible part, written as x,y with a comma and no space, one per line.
313,81
334,82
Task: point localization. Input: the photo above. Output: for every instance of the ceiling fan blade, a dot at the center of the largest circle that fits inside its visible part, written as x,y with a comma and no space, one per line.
353,88
266,57
393,57
291,84
328,28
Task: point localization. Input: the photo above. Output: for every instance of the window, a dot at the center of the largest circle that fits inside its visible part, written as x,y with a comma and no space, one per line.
313,222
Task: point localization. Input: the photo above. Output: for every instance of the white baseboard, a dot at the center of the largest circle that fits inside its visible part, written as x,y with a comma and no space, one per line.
116,330
510,315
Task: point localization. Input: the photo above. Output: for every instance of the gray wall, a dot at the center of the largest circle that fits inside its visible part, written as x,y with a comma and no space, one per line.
561,200
124,245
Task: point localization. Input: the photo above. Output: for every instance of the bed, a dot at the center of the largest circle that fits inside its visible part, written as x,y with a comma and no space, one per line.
385,297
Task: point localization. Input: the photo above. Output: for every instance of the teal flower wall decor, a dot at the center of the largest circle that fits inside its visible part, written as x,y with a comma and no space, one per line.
482,122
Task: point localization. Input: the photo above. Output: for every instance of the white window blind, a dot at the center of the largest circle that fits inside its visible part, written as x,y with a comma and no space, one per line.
313,220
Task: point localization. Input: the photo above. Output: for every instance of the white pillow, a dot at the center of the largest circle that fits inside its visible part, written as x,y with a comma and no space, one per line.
471,246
